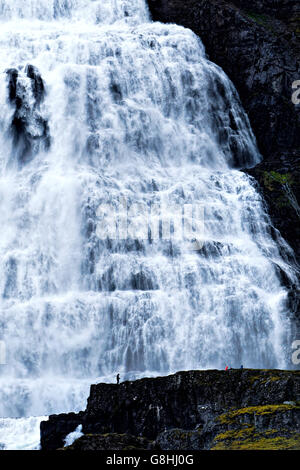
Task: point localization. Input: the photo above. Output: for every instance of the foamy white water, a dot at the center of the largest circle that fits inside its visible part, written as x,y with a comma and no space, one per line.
100,105
73,436
20,434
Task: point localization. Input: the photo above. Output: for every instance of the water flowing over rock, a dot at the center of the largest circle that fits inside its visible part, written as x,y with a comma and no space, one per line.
257,44
101,111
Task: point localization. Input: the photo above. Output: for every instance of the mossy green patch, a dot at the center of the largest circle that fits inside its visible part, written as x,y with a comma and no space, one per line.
263,379
282,184
272,177
248,439
231,416
235,434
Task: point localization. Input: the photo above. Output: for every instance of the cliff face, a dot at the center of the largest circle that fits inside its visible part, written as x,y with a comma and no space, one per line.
257,43
188,410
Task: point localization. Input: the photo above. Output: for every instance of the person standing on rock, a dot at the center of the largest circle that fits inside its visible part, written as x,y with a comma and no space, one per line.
118,379
226,368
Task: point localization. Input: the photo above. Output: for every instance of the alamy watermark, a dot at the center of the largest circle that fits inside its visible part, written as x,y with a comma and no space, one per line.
158,221
296,93
296,352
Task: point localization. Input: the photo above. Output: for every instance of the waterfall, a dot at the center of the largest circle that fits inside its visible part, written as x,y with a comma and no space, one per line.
106,120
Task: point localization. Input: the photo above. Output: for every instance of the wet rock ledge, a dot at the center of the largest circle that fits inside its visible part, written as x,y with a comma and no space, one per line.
237,409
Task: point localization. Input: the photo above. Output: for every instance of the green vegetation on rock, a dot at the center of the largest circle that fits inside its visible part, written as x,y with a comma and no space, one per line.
274,181
263,380
249,439
231,416
272,177
245,431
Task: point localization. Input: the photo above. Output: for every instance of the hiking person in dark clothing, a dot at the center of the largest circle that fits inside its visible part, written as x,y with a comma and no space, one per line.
242,367
118,379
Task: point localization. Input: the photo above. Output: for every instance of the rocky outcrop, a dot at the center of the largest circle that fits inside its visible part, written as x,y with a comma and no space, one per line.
279,182
257,43
54,431
259,427
112,441
188,410
29,129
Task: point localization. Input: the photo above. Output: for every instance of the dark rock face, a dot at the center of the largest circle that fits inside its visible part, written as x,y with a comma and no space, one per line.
54,431
111,441
29,129
257,44
178,439
184,409
271,427
279,181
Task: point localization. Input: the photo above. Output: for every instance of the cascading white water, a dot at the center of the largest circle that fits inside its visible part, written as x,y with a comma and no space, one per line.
100,105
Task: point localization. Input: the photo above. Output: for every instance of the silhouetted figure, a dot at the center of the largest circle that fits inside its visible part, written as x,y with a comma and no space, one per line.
226,368
118,379
242,367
